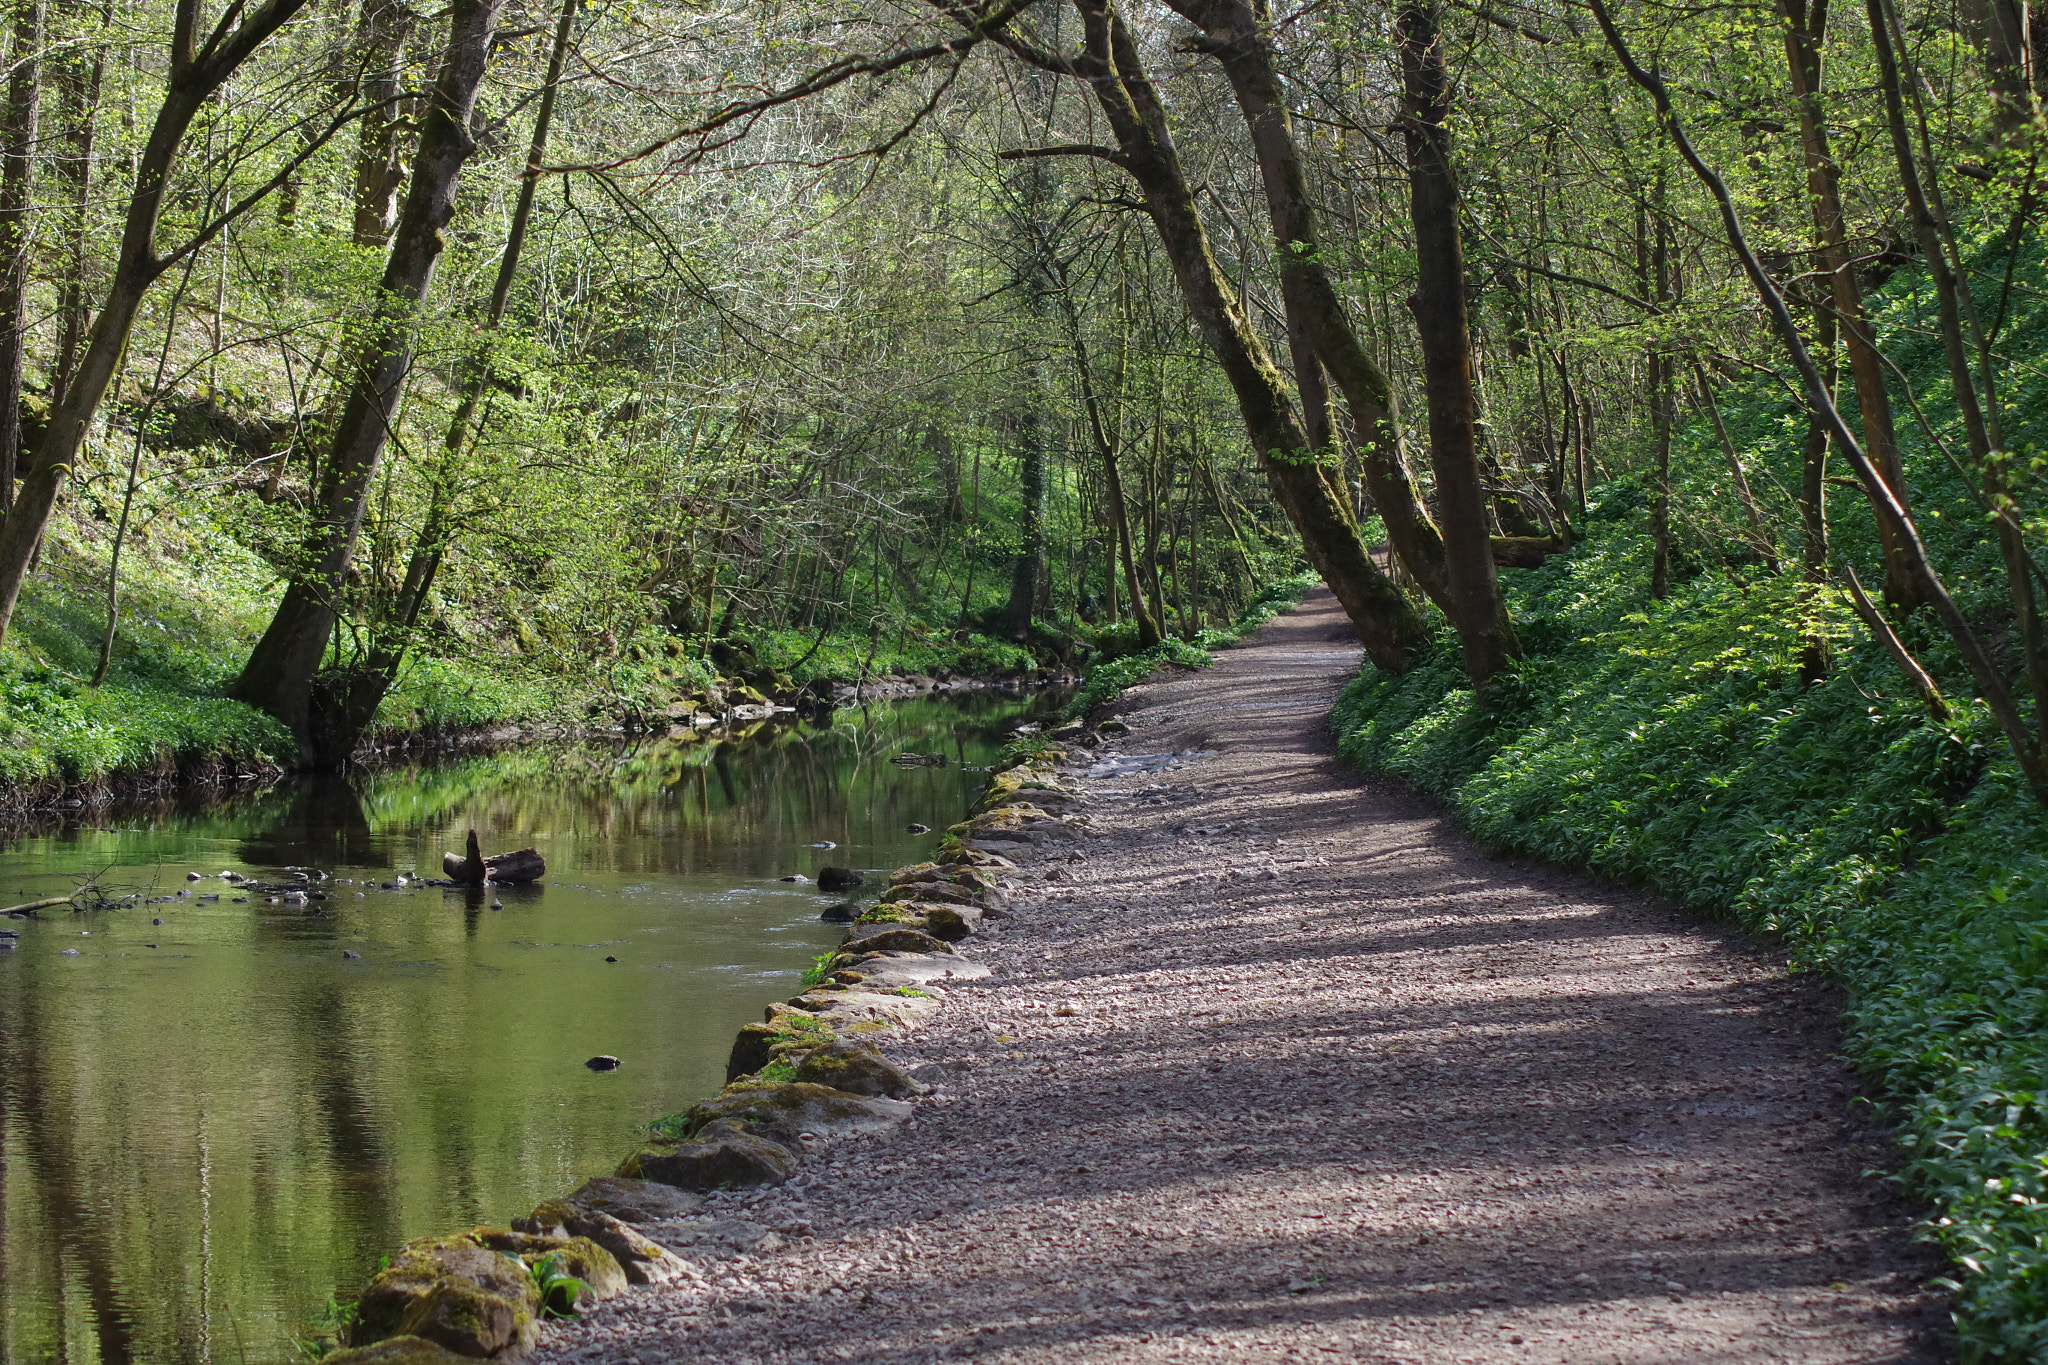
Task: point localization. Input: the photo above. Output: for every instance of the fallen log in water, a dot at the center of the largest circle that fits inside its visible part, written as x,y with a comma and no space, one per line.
520,865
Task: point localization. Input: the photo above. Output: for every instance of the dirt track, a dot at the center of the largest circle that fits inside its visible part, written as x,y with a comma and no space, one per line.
1279,1065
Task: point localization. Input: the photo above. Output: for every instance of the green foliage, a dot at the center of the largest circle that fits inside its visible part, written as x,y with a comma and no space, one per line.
820,968
1677,744
1104,682
559,1290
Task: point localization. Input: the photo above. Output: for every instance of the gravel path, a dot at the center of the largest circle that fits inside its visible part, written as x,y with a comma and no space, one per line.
1276,1064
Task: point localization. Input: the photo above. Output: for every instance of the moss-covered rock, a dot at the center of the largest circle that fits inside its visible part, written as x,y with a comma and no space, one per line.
633,1201
720,1156
892,938
752,1048
948,923
640,1259
574,1255
857,1068
847,1010
889,913
452,1291
396,1351
931,889
786,1111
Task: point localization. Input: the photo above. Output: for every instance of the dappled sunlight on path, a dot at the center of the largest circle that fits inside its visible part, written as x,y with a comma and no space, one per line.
1277,1064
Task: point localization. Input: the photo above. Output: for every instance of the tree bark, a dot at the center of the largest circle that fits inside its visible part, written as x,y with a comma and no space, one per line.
347,700
1805,27
1236,35
18,133
1485,631
1028,570
279,675
1388,625
380,156
78,88
196,71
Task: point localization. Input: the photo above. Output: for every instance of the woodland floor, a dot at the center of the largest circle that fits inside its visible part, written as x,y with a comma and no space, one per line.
1337,1085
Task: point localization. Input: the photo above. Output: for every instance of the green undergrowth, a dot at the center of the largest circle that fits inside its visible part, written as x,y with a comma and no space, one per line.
161,710
1676,744
1105,681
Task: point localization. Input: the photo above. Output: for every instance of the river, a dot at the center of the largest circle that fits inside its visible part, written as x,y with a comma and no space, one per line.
213,1119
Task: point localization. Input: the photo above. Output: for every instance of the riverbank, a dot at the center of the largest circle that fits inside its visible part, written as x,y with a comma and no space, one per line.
1273,1060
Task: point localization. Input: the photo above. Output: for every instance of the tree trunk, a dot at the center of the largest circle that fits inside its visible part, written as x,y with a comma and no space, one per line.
78,86
1805,27
348,700
279,675
380,156
1388,624
1029,569
1485,631
19,126
196,71
1236,35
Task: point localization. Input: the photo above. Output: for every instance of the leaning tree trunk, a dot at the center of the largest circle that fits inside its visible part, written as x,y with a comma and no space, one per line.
196,70
1236,35
1389,627
278,677
1475,607
348,698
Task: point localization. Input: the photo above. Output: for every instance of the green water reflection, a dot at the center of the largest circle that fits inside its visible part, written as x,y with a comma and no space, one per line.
210,1125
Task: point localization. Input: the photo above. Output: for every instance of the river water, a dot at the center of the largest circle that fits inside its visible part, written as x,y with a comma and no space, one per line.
212,1124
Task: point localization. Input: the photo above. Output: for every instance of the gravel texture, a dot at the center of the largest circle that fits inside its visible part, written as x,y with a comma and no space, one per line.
1277,1064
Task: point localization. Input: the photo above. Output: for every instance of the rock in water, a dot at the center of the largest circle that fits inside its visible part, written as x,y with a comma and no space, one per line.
838,879
603,1063
920,829
840,914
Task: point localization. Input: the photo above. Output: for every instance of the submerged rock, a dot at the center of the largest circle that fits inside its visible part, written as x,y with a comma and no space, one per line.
840,914
836,879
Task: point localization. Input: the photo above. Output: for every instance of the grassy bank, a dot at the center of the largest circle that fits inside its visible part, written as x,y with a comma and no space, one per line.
193,600
1676,744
